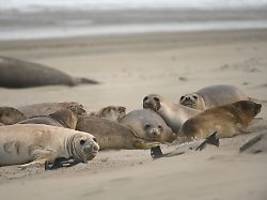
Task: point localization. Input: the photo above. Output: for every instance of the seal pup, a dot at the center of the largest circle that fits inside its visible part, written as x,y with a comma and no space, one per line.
113,113
213,96
9,115
112,135
173,114
49,108
38,145
228,120
64,118
149,125
15,73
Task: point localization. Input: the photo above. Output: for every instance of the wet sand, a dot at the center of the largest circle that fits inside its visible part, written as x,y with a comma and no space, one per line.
129,68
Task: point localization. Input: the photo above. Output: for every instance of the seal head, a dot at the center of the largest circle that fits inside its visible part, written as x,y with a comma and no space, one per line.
82,148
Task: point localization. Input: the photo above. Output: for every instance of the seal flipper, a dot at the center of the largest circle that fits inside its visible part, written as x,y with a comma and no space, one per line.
62,162
156,152
78,81
212,139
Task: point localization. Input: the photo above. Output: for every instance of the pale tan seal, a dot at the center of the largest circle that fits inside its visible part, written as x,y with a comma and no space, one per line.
113,113
9,115
64,118
149,125
48,108
228,120
15,73
212,96
35,144
173,114
112,135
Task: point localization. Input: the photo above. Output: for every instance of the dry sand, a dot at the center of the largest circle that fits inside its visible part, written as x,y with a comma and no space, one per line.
129,68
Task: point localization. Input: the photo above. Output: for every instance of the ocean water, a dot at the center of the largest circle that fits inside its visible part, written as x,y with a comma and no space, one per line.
37,5
35,19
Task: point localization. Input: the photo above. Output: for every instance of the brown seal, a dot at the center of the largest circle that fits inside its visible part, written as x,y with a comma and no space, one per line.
213,96
15,73
64,118
35,144
173,114
49,108
9,115
228,120
113,113
112,135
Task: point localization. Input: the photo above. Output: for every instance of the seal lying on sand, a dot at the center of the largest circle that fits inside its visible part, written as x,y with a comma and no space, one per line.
213,96
49,108
64,118
149,125
16,73
228,120
173,114
113,113
112,135
9,115
35,144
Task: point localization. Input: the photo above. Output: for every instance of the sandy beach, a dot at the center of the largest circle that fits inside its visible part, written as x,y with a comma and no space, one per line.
130,67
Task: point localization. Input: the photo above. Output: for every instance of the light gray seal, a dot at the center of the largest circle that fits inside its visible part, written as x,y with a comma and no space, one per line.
212,96
15,73
38,145
149,125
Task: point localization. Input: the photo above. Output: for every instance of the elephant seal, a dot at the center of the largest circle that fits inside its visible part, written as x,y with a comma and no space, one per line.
113,113
213,96
9,115
173,114
15,73
149,125
49,108
228,120
112,135
38,145
64,118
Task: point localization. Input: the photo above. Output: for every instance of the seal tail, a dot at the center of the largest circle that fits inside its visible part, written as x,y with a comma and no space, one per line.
212,139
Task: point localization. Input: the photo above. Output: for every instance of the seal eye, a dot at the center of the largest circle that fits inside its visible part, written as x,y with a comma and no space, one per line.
147,126
146,98
160,127
82,142
182,98
94,139
156,99
195,97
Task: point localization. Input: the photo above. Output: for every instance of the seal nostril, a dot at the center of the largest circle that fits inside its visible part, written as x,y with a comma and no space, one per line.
156,99
95,148
145,99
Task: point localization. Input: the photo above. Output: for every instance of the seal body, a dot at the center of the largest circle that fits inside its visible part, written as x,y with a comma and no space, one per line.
112,135
113,113
16,73
212,96
9,115
148,124
228,120
49,108
64,118
173,114
41,144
